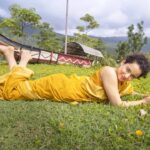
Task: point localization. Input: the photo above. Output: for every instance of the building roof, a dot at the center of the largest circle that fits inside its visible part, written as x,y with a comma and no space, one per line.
75,48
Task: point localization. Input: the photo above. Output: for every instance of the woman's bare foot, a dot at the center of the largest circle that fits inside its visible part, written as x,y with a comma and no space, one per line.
8,52
25,57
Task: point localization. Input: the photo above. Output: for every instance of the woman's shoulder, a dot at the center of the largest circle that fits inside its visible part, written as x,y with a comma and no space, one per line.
108,70
108,74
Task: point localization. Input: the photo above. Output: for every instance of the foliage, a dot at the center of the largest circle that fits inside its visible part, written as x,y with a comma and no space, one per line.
82,35
86,126
122,50
135,42
46,38
20,18
87,40
148,55
91,23
108,60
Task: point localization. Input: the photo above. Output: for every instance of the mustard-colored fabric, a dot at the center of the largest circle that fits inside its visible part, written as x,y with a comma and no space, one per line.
16,85
10,81
95,90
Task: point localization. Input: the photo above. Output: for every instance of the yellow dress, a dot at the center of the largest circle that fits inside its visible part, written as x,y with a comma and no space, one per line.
17,86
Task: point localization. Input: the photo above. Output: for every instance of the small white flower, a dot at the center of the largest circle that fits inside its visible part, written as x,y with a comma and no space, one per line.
143,112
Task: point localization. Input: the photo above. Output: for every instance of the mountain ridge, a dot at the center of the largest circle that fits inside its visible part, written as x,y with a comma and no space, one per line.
110,42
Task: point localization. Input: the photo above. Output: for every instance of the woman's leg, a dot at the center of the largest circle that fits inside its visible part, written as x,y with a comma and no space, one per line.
8,52
25,57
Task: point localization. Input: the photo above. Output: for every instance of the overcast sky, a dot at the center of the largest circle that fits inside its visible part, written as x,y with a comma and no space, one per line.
114,16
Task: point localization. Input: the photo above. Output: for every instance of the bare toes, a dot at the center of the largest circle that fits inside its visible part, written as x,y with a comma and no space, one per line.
6,50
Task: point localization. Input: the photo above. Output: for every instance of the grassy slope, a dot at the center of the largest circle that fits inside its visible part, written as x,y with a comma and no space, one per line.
89,126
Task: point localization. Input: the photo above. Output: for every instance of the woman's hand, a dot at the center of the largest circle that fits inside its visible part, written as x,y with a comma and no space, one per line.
146,100
140,94
146,95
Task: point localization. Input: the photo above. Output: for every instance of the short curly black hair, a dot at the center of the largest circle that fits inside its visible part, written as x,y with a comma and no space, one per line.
141,60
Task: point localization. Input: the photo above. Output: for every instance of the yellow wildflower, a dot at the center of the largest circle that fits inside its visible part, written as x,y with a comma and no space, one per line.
74,103
139,132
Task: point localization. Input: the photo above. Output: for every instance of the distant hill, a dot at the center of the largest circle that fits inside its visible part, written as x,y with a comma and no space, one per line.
111,43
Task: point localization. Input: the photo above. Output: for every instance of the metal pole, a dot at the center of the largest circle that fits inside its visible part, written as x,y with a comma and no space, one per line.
66,26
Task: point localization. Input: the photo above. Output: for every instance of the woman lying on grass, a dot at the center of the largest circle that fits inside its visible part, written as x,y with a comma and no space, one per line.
107,83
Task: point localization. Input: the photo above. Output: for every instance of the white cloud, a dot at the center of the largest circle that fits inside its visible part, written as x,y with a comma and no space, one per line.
114,16
108,32
147,32
117,18
3,13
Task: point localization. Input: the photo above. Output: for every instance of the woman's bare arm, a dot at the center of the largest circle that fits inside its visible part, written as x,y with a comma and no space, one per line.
140,94
110,83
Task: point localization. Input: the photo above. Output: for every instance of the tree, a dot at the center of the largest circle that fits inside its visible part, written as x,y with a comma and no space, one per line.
46,38
82,35
135,42
91,23
19,20
122,50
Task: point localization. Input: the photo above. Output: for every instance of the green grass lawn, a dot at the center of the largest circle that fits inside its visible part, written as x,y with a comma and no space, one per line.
32,125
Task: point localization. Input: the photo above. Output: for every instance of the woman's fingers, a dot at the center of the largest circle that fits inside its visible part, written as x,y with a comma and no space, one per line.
146,100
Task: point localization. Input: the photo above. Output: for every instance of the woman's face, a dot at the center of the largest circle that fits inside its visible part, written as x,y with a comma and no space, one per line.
128,71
